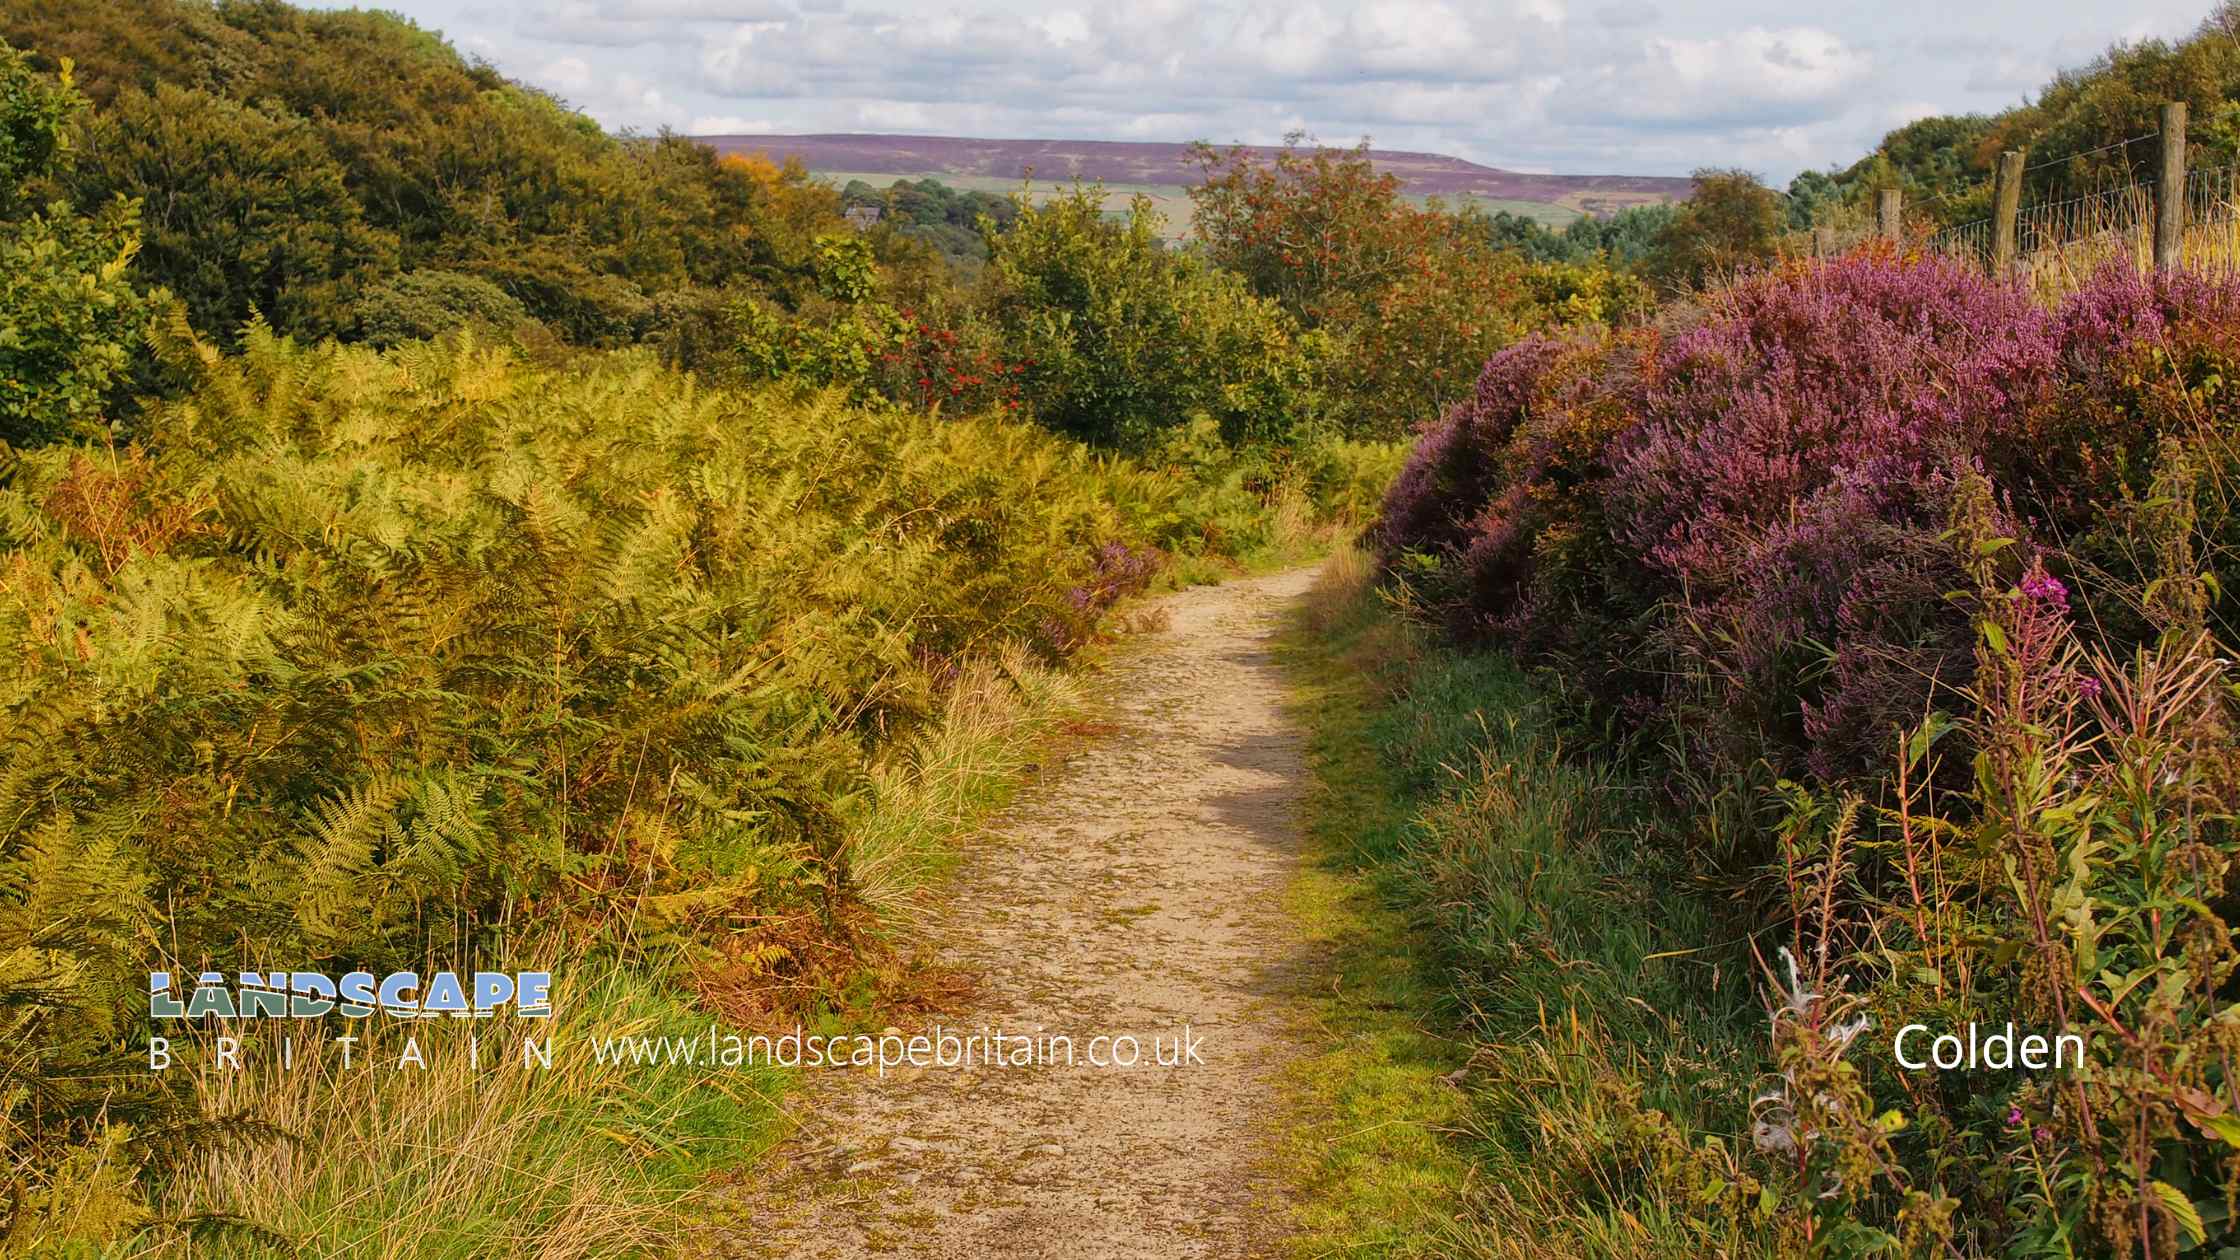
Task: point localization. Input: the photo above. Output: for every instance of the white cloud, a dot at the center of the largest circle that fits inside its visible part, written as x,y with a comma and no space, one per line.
1774,78
1626,13
893,116
567,76
1644,86
1064,28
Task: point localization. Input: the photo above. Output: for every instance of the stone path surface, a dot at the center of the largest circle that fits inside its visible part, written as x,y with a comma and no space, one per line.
1131,892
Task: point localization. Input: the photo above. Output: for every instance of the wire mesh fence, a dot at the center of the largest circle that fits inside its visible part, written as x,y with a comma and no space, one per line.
2080,231
1969,242
2112,214
2213,196
2059,241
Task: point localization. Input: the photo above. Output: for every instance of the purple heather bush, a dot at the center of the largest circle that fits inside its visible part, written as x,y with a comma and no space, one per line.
1461,460
1116,571
1781,488
1953,565
1731,529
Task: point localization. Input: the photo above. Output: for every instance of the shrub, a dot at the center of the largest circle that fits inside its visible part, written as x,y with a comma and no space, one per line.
1729,223
69,317
1728,526
1926,577
1121,340
420,304
1411,298
248,212
293,159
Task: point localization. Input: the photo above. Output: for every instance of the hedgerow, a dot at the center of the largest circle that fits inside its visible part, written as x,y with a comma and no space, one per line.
1909,588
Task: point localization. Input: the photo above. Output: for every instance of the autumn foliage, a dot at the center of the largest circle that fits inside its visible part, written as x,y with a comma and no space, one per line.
1414,297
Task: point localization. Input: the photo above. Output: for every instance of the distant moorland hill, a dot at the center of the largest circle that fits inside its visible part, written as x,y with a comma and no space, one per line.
1169,165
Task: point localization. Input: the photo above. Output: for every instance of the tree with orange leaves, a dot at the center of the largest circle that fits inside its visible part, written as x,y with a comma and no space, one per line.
1415,296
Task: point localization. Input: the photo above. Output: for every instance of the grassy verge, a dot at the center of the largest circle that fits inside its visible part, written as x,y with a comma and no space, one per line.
475,1150
1376,1160
1288,531
1536,1043
412,1142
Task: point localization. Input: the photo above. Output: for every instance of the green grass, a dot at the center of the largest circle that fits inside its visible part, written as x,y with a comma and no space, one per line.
1374,1160
1496,919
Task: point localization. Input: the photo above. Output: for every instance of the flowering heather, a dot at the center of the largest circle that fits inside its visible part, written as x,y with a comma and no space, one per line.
1116,571
1734,526
1795,376
1460,459
1947,563
1787,455
1809,529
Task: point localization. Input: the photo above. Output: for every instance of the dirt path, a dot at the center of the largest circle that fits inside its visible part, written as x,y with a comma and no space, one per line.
1132,891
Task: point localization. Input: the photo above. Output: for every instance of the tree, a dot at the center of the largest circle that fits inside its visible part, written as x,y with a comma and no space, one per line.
1536,240
244,212
1809,193
1413,298
1627,238
69,317
1319,230
291,161
1731,221
34,114
1121,339
1621,240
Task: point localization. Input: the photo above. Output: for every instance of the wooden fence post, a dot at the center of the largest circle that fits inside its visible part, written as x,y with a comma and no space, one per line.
2006,206
1889,218
2170,190
1824,241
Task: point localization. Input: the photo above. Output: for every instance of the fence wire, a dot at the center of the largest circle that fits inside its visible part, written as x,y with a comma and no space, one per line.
2112,214
1969,242
2113,217
2213,196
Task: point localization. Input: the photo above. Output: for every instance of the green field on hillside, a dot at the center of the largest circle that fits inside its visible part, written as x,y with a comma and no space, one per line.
1172,201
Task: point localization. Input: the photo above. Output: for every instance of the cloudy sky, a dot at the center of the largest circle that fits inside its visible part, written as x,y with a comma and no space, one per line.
1577,86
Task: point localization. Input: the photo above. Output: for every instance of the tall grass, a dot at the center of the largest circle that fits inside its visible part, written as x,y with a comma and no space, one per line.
930,789
1611,1015
482,1151
2063,245
2119,231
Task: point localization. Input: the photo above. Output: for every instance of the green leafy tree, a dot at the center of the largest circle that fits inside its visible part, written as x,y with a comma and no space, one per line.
69,316
1121,339
1413,299
1623,240
1320,230
1627,238
1731,221
1811,195
35,112
291,160
948,219
244,212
